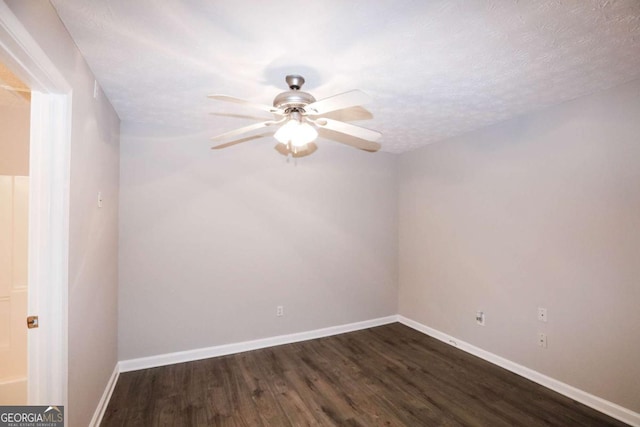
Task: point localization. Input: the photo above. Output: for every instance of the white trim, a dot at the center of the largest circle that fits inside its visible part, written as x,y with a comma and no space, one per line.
23,55
595,402
222,350
48,209
106,397
48,248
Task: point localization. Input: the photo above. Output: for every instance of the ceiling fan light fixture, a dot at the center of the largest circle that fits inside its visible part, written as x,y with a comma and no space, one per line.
296,132
287,131
304,134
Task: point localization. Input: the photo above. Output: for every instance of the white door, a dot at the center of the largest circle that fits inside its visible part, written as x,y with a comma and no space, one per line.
14,211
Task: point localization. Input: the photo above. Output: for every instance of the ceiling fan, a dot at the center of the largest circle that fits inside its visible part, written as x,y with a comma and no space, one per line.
298,116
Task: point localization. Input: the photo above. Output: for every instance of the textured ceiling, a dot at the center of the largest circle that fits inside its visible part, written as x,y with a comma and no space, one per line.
435,69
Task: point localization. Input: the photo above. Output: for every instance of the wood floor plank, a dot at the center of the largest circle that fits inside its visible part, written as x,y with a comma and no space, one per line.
386,376
266,405
347,379
332,387
294,411
430,400
439,385
534,402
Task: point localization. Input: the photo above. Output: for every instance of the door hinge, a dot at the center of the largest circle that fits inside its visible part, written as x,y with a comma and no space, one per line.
32,322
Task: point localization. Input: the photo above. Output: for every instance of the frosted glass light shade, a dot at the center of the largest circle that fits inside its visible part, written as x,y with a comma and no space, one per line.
286,132
304,134
297,133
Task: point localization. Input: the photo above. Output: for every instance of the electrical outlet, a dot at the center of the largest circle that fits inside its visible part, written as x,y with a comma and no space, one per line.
480,317
542,339
280,311
542,314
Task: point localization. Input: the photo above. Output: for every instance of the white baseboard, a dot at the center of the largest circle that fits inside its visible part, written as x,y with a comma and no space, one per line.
597,403
222,350
106,396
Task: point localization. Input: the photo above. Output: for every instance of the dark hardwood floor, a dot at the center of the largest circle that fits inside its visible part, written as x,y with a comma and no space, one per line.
385,376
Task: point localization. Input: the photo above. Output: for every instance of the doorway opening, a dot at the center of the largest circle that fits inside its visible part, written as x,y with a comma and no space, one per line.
48,209
15,111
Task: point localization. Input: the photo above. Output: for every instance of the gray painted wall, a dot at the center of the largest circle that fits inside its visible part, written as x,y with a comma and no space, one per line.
212,241
541,211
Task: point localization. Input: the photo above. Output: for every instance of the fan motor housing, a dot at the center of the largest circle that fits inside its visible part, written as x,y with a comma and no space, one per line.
293,99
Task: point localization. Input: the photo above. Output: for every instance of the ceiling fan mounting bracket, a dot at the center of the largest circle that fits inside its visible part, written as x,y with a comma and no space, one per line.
294,81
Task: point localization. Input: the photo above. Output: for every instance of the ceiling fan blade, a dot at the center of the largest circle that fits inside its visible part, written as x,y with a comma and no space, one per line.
349,129
350,114
238,116
369,146
349,140
238,141
338,102
242,130
235,100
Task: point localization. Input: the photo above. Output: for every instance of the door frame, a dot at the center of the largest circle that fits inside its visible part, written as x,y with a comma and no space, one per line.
49,164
